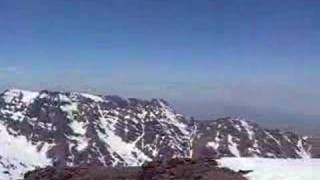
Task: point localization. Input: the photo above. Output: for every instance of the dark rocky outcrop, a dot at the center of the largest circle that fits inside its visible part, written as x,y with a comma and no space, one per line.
175,169
315,150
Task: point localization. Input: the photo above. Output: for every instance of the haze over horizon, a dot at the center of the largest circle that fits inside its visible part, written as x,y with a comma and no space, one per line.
257,59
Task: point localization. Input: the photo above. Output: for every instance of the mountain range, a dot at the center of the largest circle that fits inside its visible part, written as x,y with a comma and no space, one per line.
71,128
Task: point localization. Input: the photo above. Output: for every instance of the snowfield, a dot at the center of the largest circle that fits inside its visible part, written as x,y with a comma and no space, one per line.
275,169
18,156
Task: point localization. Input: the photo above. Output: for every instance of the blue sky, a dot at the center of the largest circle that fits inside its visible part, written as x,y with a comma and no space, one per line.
242,53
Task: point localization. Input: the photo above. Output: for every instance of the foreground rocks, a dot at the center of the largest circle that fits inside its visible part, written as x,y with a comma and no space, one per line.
188,169
175,169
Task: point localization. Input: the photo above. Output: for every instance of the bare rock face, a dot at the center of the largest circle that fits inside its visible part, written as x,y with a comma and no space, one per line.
315,143
176,169
62,129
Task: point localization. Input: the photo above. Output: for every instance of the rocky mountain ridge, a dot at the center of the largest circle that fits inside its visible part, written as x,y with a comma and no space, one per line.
70,128
232,137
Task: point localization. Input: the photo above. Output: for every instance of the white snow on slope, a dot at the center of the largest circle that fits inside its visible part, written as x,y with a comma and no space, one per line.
213,145
302,152
131,155
275,169
26,96
78,127
92,97
248,128
273,138
19,156
233,147
172,117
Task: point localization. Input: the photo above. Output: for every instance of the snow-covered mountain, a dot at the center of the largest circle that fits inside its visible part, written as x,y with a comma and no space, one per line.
57,128
230,137
44,127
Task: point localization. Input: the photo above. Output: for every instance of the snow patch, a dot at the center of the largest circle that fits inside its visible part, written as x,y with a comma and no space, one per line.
213,145
248,128
301,150
275,169
233,147
272,137
27,97
130,154
19,155
93,97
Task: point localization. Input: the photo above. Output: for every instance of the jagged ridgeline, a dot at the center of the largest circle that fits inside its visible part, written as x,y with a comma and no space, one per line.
66,129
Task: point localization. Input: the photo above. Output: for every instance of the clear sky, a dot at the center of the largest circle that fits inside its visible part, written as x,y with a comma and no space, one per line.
206,56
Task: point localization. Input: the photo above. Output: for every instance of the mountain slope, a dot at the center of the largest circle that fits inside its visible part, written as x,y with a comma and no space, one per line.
75,128
67,129
230,137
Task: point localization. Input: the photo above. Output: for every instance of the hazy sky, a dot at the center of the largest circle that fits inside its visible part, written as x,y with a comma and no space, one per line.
212,54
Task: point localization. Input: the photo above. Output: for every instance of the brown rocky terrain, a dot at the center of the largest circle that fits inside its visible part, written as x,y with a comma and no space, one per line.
175,169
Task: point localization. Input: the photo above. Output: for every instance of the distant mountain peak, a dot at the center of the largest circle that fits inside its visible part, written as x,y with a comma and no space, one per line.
238,137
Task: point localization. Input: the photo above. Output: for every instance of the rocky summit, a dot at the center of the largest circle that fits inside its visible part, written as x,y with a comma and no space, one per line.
65,129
